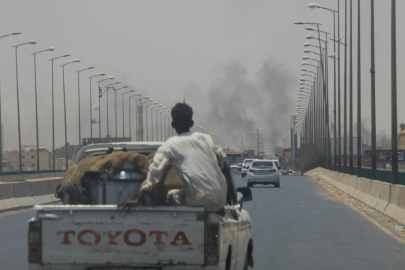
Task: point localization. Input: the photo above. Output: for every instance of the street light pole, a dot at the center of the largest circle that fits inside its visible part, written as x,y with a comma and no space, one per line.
151,116
32,42
359,141
123,110
100,94
53,114
116,122
1,126
373,117
394,139
64,106
351,93
78,95
91,107
345,99
36,100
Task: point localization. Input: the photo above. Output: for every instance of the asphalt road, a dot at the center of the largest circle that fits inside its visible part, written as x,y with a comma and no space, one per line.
294,228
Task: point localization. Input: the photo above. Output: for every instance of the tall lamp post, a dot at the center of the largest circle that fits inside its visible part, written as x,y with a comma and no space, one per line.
53,112
50,49
334,12
115,101
106,91
78,96
31,42
123,110
1,126
161,122
158,115
146,116
136,113
99,102
151,115
64,106
91,106
137,116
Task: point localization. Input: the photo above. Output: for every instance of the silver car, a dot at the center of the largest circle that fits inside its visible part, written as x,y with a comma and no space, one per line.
263,172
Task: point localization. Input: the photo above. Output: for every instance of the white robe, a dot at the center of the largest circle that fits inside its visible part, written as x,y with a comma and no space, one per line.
193,156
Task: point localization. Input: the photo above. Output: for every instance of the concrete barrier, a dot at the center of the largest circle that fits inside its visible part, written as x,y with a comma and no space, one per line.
396,207
25,194
380,192
384,197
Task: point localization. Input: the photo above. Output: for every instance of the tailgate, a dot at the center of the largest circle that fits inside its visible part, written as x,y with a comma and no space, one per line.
97,235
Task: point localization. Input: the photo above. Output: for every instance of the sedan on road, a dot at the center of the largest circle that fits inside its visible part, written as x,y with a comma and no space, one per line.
263,172
245,166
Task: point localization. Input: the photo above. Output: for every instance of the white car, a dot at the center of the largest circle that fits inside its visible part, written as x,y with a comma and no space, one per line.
245,166
263,172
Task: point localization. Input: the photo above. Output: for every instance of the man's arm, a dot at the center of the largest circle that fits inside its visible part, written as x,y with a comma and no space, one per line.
157,170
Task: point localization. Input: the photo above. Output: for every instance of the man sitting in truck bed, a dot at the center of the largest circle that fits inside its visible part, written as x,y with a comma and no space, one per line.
193,156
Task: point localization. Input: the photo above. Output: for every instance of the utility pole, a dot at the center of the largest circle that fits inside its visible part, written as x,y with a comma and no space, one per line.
394,140
373,122
351,93
359,154
345,99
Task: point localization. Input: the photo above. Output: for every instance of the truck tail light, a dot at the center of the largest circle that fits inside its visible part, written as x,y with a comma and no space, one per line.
35,242
272,170
212,246
252,170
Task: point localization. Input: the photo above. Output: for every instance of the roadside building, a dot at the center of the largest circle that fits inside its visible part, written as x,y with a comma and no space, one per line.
28,158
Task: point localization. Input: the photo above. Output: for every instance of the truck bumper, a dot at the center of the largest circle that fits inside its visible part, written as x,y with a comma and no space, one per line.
168,267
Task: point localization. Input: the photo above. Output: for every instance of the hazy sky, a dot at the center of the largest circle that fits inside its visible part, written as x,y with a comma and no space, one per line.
237,61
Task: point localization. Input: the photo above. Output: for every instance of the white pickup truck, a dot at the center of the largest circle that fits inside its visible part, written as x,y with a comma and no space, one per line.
100,236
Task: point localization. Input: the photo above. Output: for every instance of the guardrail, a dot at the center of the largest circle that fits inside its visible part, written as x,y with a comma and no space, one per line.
384,197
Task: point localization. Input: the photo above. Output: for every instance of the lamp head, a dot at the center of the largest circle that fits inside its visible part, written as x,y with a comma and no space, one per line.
307,51
309,37
313,5
32,42
16,33
146,97
137,94
77,60
305,57
302,79
306,44
298,23
111,78
101,74
90,67
155,103
51,49
66,55
304,63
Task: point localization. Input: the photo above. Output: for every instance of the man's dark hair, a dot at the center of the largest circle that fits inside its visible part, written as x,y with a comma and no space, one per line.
182,115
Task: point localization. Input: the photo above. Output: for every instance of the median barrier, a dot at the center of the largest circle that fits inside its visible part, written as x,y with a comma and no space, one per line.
25,194
47,175
380,192
396,207
31,176
384,197
17,177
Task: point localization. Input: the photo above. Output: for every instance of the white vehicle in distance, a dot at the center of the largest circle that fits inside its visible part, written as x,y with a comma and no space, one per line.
245,166
263,172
